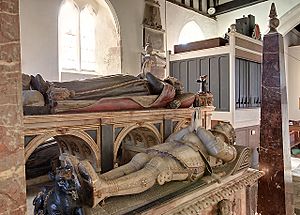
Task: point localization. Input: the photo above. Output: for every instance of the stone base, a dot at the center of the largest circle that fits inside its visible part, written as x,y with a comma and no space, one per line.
189,198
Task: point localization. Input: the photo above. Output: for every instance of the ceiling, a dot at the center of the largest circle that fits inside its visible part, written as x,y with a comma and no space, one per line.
220,6
298,28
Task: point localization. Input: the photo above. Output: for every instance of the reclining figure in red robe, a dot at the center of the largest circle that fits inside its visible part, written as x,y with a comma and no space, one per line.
112,93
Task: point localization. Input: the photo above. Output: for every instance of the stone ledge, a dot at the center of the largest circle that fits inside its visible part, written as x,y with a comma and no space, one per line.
222,191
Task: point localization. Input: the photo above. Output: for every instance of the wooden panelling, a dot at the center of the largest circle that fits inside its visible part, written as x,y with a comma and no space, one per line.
248,45
248,56
217,69
224,83
248,136
247,83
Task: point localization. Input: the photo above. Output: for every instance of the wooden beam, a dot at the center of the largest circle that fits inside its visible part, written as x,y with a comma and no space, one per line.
298,27
190,8
200,5
234,5
208,4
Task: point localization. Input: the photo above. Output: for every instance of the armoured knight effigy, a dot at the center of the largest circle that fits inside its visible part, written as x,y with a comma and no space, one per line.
191,159
115,94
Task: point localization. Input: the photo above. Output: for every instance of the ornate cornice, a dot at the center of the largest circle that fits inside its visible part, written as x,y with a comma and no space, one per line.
216,195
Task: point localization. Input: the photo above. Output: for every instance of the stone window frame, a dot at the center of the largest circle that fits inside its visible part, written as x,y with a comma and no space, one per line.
77,68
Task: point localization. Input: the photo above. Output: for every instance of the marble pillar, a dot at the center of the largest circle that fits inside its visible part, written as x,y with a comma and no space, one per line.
12,171
275,188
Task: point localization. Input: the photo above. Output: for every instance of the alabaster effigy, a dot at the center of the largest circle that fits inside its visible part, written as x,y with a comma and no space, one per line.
108,93
103,94
190,160
117,157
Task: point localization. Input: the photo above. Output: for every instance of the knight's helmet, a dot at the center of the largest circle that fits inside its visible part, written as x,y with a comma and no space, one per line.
219,141
225,131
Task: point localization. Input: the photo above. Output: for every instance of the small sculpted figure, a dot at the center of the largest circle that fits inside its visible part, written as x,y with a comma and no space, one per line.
183,156
62,199
203,84
225,207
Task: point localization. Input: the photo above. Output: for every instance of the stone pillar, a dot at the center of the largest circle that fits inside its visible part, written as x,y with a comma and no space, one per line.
12,171
274,189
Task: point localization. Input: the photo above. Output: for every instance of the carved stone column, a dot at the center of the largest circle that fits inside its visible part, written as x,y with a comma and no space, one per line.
12,171
274,189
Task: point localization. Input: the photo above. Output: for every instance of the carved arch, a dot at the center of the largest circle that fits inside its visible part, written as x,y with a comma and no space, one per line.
128,129
40,139
181,124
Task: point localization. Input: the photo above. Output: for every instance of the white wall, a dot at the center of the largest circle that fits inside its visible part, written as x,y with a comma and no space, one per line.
177,17
130,14
108,43
260,11
39,37
39,40
293,59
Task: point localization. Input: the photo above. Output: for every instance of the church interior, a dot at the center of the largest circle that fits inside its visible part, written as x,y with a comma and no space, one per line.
150,107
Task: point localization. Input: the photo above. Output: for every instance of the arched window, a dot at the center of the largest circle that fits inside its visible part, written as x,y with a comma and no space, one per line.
77,38
88,39
69,36
190,32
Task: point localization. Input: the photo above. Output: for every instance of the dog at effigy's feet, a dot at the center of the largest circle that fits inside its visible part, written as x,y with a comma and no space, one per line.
62,198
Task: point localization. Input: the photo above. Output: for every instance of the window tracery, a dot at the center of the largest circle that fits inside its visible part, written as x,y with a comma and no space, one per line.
77,38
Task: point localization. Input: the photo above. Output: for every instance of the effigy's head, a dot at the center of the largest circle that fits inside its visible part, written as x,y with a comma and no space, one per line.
175,83
226,131
65,181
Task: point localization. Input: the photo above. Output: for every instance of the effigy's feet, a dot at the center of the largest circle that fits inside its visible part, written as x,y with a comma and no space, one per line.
39,84
97,189
156,85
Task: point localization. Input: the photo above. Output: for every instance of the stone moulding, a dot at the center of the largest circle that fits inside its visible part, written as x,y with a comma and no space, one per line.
41,128
213,196
126,130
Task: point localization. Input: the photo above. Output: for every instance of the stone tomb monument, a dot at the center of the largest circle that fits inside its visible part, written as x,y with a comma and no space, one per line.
195,171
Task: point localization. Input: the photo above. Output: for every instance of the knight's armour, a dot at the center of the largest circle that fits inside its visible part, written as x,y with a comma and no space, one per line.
193,140
185,154
216,147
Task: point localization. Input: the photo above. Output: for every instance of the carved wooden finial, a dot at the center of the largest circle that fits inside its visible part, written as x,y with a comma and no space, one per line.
273,13
274,21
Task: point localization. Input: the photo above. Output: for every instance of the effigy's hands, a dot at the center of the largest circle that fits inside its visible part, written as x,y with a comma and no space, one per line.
59,94
195,121
174,104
